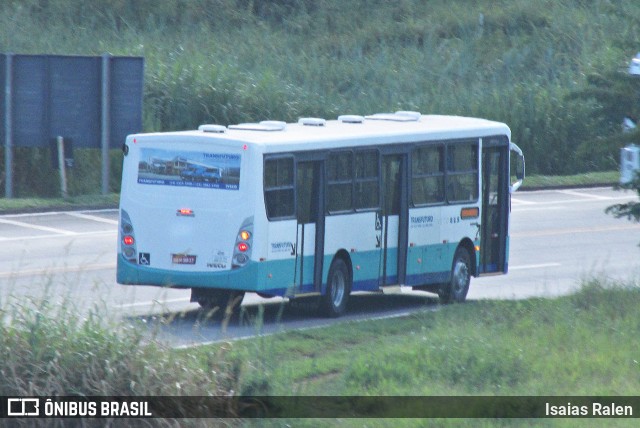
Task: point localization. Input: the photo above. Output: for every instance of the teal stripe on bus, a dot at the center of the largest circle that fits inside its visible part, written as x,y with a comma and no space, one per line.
424,265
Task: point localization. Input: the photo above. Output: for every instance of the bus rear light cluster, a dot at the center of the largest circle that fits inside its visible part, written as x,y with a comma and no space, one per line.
242,248
128,240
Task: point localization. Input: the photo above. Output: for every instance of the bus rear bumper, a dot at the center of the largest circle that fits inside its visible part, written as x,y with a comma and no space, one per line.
247,278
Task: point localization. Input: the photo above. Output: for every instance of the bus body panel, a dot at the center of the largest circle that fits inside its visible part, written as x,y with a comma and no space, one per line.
281,253
426,262
356,234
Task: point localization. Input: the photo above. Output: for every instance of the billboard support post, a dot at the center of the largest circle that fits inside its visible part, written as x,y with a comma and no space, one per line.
8,132
62,168
105,121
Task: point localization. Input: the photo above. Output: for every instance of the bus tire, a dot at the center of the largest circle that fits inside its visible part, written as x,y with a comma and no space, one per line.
455,291
334,302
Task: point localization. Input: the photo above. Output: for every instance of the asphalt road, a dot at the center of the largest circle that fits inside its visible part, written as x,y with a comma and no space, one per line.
558,238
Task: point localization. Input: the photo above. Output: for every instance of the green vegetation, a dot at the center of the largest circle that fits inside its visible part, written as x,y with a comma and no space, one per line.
22,205
604,178
52,350
581,344
49,349
629,210
228,61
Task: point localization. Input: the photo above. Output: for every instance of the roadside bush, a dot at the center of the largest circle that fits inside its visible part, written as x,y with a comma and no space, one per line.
50,349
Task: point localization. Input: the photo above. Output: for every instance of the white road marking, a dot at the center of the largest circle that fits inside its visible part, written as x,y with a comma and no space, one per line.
520,209
538,266
585,200
92,218
57,269
552,232
152,303
584,195
36,227
25,215
522,202
70,234
55,232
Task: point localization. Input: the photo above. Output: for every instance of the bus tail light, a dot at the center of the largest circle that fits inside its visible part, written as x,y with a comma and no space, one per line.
128,240
185,212
242,248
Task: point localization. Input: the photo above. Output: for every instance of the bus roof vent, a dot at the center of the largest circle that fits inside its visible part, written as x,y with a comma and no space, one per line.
216,129
351,118
414,115
399,116
275,124
312,121
265,125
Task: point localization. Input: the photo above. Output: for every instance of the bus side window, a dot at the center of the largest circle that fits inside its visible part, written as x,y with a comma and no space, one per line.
278,188
367,180
340,182
427,175
462,172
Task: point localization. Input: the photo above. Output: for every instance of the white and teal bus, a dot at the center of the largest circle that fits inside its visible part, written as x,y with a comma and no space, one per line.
319,208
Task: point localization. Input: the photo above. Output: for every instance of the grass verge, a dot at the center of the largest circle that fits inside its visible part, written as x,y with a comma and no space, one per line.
606,178
582,344
57,350
23,205
579,344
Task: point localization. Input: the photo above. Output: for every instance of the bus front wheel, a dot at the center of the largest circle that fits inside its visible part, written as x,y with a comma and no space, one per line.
334,302
455,291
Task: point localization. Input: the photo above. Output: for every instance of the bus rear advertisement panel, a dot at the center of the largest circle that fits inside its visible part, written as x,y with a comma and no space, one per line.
189,169
318,208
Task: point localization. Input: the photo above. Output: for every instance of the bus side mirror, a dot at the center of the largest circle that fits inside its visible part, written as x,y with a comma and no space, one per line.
519,167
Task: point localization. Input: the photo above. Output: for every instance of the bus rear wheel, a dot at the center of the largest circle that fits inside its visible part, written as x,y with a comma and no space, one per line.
334,302
455,291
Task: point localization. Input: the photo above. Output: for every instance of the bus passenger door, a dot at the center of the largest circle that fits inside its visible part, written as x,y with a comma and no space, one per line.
394,220
310,233
495,207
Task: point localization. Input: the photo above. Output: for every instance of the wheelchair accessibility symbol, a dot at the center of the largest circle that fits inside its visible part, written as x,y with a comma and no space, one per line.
144,259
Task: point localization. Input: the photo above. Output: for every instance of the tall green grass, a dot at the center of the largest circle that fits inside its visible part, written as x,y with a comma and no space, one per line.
228,61
56,349
581,344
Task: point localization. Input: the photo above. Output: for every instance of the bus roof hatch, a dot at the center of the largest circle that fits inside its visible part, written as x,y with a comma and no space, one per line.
399,116
265,125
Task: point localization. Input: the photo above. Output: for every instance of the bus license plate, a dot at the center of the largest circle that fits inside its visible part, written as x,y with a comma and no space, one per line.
183,259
